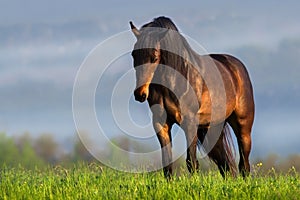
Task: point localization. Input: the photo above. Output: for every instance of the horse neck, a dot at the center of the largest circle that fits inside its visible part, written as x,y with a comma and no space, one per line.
175,61
182,72
172,73
184,61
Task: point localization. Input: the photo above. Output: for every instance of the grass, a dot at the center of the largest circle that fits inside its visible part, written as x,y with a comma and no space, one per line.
95,182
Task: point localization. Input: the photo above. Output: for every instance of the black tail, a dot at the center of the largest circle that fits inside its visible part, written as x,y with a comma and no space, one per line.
229,147
223,151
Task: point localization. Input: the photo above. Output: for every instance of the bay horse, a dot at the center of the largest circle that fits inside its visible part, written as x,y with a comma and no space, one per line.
200,93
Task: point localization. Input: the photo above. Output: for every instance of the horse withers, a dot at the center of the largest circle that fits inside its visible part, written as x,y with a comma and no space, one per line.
200,93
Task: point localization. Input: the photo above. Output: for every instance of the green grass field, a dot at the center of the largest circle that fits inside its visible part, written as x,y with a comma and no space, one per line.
94,182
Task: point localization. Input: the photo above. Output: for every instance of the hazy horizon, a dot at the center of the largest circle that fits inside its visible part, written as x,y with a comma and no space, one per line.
43,44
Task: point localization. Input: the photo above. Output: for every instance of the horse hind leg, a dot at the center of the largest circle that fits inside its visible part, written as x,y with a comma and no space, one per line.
242,129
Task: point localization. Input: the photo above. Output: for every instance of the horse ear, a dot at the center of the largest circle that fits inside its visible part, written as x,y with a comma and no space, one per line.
135,31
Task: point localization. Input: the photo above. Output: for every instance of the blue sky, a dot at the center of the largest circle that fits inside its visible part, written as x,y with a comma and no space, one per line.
43,43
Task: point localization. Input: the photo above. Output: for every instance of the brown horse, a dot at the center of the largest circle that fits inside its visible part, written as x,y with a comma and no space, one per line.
200,93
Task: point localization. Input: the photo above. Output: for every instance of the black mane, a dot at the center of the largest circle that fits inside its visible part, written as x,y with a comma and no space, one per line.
161,22
175,50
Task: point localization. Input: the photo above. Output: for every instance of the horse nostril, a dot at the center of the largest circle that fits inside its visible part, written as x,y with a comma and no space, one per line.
140,98
140,95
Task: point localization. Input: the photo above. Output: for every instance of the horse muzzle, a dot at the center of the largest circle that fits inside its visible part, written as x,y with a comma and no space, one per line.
141,93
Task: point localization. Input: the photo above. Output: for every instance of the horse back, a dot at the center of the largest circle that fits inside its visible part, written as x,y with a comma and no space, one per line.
232,63
237,69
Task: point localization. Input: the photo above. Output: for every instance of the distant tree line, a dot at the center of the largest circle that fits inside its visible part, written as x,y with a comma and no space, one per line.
44,150
30,152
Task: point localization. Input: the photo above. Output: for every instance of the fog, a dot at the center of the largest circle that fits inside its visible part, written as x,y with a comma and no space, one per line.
42,46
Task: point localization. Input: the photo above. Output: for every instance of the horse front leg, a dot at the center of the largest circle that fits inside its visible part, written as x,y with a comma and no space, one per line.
191,139
163,132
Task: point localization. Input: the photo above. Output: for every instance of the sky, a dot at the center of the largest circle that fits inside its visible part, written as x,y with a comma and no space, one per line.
44,43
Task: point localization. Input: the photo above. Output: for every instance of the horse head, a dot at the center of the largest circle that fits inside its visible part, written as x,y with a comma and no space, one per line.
146,57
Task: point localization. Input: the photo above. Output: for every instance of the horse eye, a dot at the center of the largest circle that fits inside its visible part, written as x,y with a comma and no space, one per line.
153,59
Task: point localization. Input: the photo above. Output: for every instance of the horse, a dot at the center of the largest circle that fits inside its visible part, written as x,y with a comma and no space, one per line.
203,94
